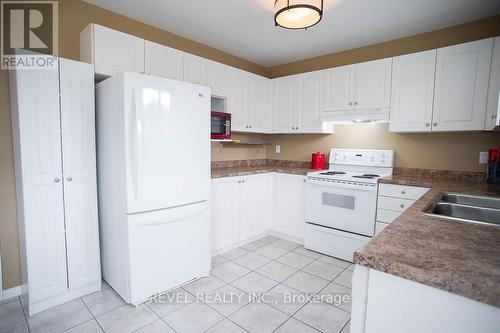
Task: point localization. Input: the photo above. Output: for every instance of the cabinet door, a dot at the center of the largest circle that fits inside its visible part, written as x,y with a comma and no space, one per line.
216,78
254,206
195,69
258,97
494,88
373,84
339,88
289,204
462,74
163,61
283,105
117,52
412,92
307,119
36,127
225,212
79,169
237,98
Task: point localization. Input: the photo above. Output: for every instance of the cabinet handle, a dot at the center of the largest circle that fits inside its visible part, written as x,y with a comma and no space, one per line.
355,103
57,180
434,124
350,103
304,180
69,179
493,116
243,181
402,206
250,126
403,192
427,124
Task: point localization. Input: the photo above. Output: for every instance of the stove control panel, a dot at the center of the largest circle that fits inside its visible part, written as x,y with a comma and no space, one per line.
362,157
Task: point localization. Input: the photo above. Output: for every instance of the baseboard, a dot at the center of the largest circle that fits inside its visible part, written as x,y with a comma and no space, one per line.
12,292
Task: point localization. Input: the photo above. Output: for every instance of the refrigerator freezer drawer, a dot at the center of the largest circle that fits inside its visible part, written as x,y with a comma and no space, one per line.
168,248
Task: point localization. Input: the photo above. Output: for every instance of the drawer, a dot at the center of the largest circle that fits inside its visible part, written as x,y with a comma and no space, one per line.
379,227
394,204
387,216
399,191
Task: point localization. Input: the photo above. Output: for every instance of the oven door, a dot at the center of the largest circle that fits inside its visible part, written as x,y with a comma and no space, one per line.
343,207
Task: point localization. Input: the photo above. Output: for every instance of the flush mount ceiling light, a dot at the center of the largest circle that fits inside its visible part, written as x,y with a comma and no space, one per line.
297,14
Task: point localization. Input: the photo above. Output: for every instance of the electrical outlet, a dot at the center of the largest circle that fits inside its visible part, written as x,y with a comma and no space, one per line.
483,157
277,149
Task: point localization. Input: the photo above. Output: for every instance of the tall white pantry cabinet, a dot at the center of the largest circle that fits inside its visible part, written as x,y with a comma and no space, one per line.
54,149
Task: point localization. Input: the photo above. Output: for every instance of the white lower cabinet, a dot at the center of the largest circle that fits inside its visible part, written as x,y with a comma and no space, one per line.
289,210
255,196
225,212
54,145
240,209
393,200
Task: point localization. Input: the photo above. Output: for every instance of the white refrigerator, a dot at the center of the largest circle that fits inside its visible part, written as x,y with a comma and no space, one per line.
153,148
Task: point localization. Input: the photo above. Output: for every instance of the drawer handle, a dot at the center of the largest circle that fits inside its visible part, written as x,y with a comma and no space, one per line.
402,206
403,192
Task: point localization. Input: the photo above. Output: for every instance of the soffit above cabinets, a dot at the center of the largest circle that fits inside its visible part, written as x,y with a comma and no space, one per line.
246,28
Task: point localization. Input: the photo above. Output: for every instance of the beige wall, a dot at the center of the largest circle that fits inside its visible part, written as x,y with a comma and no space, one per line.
444,151
74,15
228,152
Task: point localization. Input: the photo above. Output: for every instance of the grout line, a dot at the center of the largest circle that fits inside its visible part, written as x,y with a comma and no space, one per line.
24,313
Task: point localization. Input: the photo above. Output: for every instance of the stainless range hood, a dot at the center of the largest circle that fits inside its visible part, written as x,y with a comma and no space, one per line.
357,116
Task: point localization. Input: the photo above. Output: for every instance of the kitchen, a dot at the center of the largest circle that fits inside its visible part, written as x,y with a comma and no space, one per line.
417,108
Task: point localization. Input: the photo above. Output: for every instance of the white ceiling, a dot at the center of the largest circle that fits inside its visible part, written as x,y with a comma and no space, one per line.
245,28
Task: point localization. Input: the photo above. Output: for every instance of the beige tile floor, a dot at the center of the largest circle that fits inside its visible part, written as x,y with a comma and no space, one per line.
261,276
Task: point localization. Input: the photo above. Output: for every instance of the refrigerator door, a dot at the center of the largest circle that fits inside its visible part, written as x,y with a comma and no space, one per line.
168,248
167,139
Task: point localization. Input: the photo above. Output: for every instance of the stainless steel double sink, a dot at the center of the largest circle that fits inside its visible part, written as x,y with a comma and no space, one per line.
466,208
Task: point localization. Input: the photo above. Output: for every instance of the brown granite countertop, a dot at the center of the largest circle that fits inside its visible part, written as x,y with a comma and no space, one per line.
252,170
457,257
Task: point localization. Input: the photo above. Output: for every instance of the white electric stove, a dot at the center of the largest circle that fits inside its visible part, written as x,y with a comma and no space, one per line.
341,202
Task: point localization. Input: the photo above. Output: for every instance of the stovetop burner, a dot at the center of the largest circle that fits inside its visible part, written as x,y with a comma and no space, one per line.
331,173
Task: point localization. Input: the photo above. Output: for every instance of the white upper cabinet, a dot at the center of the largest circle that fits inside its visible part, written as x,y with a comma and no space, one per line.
494,88
161,60
298,103
111,51
339,88
358,87
308,112
216,78
412,92
284,93
373,84
195,69
258,103
462,75
237,98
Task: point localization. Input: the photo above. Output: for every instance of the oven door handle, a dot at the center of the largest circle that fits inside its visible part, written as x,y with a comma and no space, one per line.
332,185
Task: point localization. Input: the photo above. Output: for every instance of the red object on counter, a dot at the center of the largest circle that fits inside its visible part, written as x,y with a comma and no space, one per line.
318,161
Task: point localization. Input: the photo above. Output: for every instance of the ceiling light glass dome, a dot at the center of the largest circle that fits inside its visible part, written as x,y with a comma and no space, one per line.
297,14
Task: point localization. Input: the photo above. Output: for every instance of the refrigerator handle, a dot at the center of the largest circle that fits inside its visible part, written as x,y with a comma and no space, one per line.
170,215
136,144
